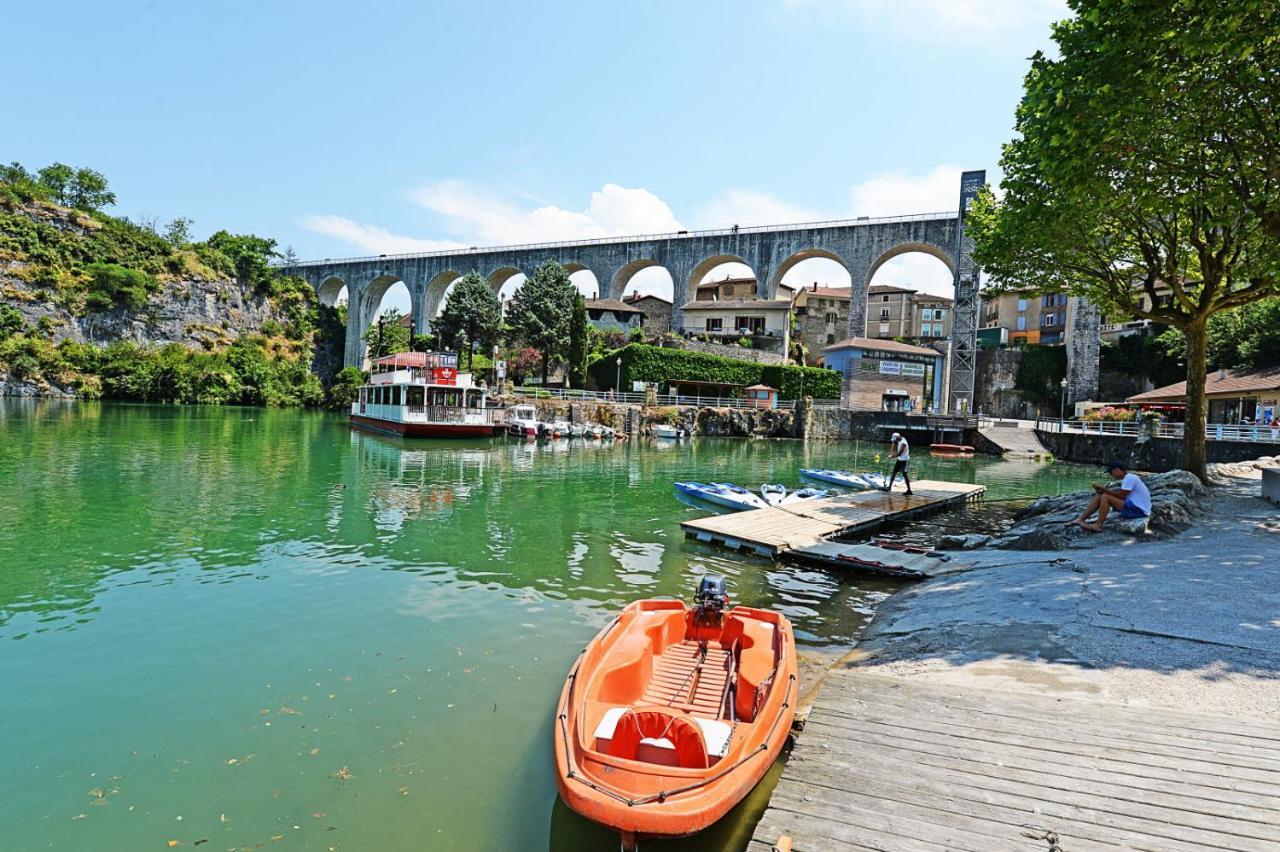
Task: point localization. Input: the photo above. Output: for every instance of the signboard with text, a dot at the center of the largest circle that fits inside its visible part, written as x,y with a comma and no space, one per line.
901,368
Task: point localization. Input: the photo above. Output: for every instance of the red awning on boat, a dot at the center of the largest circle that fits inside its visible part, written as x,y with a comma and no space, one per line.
403,359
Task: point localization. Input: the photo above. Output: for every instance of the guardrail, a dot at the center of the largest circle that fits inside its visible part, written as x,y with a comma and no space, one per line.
1131,429
637,238
573,394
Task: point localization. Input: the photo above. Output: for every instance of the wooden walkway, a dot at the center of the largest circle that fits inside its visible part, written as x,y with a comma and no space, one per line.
897,765
775,531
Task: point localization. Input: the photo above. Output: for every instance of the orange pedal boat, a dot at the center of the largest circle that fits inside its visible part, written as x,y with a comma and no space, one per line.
673,713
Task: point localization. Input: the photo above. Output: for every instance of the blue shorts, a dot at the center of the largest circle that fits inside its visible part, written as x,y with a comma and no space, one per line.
1130,510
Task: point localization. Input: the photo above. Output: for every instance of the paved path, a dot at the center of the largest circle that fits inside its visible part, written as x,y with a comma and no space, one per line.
1019,440
900,764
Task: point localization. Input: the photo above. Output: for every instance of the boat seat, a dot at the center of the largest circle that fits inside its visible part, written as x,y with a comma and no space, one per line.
715,733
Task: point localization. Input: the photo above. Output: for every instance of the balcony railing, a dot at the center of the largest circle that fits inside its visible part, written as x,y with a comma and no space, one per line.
1129,428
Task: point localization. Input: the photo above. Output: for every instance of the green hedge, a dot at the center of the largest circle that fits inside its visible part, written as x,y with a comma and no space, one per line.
641,363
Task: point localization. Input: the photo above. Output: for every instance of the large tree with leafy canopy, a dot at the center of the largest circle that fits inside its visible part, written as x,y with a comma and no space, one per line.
540,312
579,338
387,335
1132,173
472,316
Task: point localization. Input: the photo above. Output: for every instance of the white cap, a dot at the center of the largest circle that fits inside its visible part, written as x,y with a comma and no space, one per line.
895,436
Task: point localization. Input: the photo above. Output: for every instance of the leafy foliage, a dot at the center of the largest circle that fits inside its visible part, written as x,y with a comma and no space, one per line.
346,387
81,189
641,363
1122,180
578,340
540,311
1041,370
112,285
388,335
1247,337
472,317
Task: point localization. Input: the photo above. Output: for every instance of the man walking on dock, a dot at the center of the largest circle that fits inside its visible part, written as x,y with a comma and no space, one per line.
901,453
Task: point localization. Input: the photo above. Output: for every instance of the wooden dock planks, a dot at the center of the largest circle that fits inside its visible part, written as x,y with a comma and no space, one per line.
896,764
774,531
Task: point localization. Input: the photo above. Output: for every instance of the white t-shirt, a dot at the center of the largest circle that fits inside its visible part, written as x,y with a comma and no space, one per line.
904,451
1138,493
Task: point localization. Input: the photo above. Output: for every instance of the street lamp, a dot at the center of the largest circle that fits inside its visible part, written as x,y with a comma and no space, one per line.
617,382
1062,408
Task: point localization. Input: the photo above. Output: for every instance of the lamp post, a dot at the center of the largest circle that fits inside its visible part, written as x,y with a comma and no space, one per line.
617,381
1062,407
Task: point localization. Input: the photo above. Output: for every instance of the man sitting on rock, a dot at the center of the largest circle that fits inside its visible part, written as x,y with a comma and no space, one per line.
1131,499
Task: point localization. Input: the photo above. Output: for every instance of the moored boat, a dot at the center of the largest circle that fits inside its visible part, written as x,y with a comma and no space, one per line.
523,421
422,395
772,493
952,449
722,494
666,432
799,495
673,713
847,479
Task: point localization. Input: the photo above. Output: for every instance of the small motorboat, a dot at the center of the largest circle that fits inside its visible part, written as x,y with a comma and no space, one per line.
773,494
848,479
523,421
594,430
667,432
952,449
560,428
799,495
673,713
722,494
576,430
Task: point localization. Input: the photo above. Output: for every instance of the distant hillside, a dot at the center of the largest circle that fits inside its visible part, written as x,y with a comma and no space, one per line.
95,305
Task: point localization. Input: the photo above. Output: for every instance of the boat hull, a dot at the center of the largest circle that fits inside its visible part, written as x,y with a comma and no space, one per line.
643,799
425,430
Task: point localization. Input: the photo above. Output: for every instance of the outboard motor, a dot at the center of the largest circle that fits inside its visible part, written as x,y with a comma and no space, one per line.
711,599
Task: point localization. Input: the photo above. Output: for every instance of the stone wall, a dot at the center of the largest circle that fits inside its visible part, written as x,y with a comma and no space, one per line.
1153,454
996,373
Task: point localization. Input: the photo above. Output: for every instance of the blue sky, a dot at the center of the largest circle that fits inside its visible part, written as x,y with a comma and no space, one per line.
400,126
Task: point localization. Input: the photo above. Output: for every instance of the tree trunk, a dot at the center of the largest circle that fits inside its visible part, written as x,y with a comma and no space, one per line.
1193,440
546,360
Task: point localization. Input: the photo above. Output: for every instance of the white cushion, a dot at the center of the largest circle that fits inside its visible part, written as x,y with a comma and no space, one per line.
609,721
714,732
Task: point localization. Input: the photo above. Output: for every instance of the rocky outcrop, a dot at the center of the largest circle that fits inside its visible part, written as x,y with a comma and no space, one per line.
194,313
1177,497
30,388
1233,470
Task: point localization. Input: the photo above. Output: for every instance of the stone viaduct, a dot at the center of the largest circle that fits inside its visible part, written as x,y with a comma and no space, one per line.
860,245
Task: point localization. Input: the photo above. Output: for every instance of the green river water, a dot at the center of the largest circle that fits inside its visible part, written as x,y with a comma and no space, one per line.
261,629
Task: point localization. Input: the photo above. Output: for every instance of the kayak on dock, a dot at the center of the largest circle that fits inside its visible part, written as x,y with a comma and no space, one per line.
673,713
722,494
847,478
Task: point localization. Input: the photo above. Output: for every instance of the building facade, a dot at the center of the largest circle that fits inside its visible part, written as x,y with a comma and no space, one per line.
613,315
890,311
821,319
656,310
726,289
1017,313
885,375
766,323
931,317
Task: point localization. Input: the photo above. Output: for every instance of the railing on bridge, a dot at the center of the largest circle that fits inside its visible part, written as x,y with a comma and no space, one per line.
637,238
573,394
1129,428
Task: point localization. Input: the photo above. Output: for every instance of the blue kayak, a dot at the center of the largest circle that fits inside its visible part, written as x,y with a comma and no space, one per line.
722,494
848,479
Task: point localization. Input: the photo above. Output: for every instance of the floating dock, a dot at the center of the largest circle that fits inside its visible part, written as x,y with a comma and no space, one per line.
788,530
899,764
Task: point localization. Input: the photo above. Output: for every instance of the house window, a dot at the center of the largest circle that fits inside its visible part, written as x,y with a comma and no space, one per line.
884,329
1022,304
1022,324
884,313
752,325
831,338
832,318
937,315
1048,320
715,324
886,298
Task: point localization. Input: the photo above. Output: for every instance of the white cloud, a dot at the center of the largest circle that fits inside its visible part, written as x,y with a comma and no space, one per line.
1014,21
899,193
371,238
478,213
745,207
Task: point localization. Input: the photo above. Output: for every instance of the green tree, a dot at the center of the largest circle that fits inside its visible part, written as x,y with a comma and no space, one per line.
178,232
57,178
1117,186
388,335
19,186
83,189
250,255
345,387
112,285
472,317
1038,380
578,340
540,311
10,321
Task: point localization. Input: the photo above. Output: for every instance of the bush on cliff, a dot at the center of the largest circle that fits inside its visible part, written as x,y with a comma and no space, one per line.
641,363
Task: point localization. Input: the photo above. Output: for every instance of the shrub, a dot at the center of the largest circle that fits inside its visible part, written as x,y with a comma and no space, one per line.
112,285
641,363
1110,413
345,387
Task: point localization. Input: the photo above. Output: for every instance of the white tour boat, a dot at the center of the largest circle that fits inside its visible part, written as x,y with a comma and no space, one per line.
422,395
